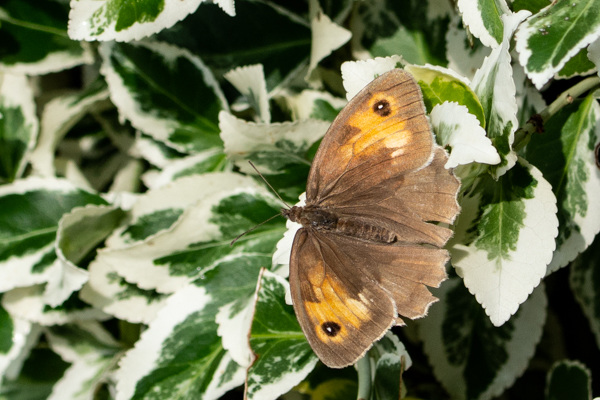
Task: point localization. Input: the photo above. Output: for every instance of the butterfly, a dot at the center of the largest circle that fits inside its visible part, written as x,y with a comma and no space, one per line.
369,242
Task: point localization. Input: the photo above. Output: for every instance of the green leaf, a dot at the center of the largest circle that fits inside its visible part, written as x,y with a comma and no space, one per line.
111,293
250,82
484,19
280,44
18,125
125,21
279,150
283,356
531,5
506,239
180,354
550,38
569,380
472,358
441,85
91,351
16,338
34,38
82,229
390,359
187,355
578,65
59,116
166,92
313,104
411,44
79,232
36,379
30,211
584,279
405,28
493,83
30,303
565,155
231,204
459,130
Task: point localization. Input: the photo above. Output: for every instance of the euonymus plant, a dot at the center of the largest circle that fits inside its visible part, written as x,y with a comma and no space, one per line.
126,128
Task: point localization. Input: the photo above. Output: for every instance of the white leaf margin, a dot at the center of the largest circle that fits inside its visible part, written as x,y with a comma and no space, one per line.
301,105
497,66
472,17
89,364
16,271
501,285
16,91
527,29
358,74
29,303
242,137
159,127
250,81
234,329
134,263
103,291
59,115
87,14
179,194
142,359
593,53
327,36
529,327
274,388
25,336
461,57
584,228
456,127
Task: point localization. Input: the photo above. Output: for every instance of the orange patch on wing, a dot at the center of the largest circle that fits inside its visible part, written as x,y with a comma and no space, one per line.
336,305
391,132
316,274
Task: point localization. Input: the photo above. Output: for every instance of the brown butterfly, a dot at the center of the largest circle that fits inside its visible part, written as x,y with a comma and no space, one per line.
368,245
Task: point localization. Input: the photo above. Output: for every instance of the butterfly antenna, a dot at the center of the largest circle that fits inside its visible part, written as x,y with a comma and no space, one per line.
253,228
269,185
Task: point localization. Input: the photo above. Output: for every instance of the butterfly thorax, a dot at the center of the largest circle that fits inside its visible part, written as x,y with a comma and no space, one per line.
317,218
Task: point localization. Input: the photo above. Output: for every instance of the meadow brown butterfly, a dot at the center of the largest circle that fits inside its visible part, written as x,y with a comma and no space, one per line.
369,243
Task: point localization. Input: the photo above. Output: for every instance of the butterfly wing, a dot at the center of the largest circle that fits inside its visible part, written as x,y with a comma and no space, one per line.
347,294
408,203
341,312
377,164
381,134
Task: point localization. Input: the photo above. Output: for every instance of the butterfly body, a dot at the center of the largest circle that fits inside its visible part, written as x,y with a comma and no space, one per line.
313,217
370,243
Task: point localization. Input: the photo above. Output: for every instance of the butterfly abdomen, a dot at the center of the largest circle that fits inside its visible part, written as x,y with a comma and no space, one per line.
362,230
313,217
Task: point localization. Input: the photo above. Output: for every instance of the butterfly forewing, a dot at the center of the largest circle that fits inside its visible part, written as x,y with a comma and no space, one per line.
365,143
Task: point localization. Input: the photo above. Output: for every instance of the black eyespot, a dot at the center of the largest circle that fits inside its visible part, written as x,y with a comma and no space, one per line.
382,108
331,328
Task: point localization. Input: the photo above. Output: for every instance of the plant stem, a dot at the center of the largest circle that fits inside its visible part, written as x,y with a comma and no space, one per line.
536,123
363,366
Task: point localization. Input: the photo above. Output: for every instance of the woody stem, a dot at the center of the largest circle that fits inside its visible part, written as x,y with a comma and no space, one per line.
523,134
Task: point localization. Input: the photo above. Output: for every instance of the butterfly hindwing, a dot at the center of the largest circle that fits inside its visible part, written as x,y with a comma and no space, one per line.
406,209
341,313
